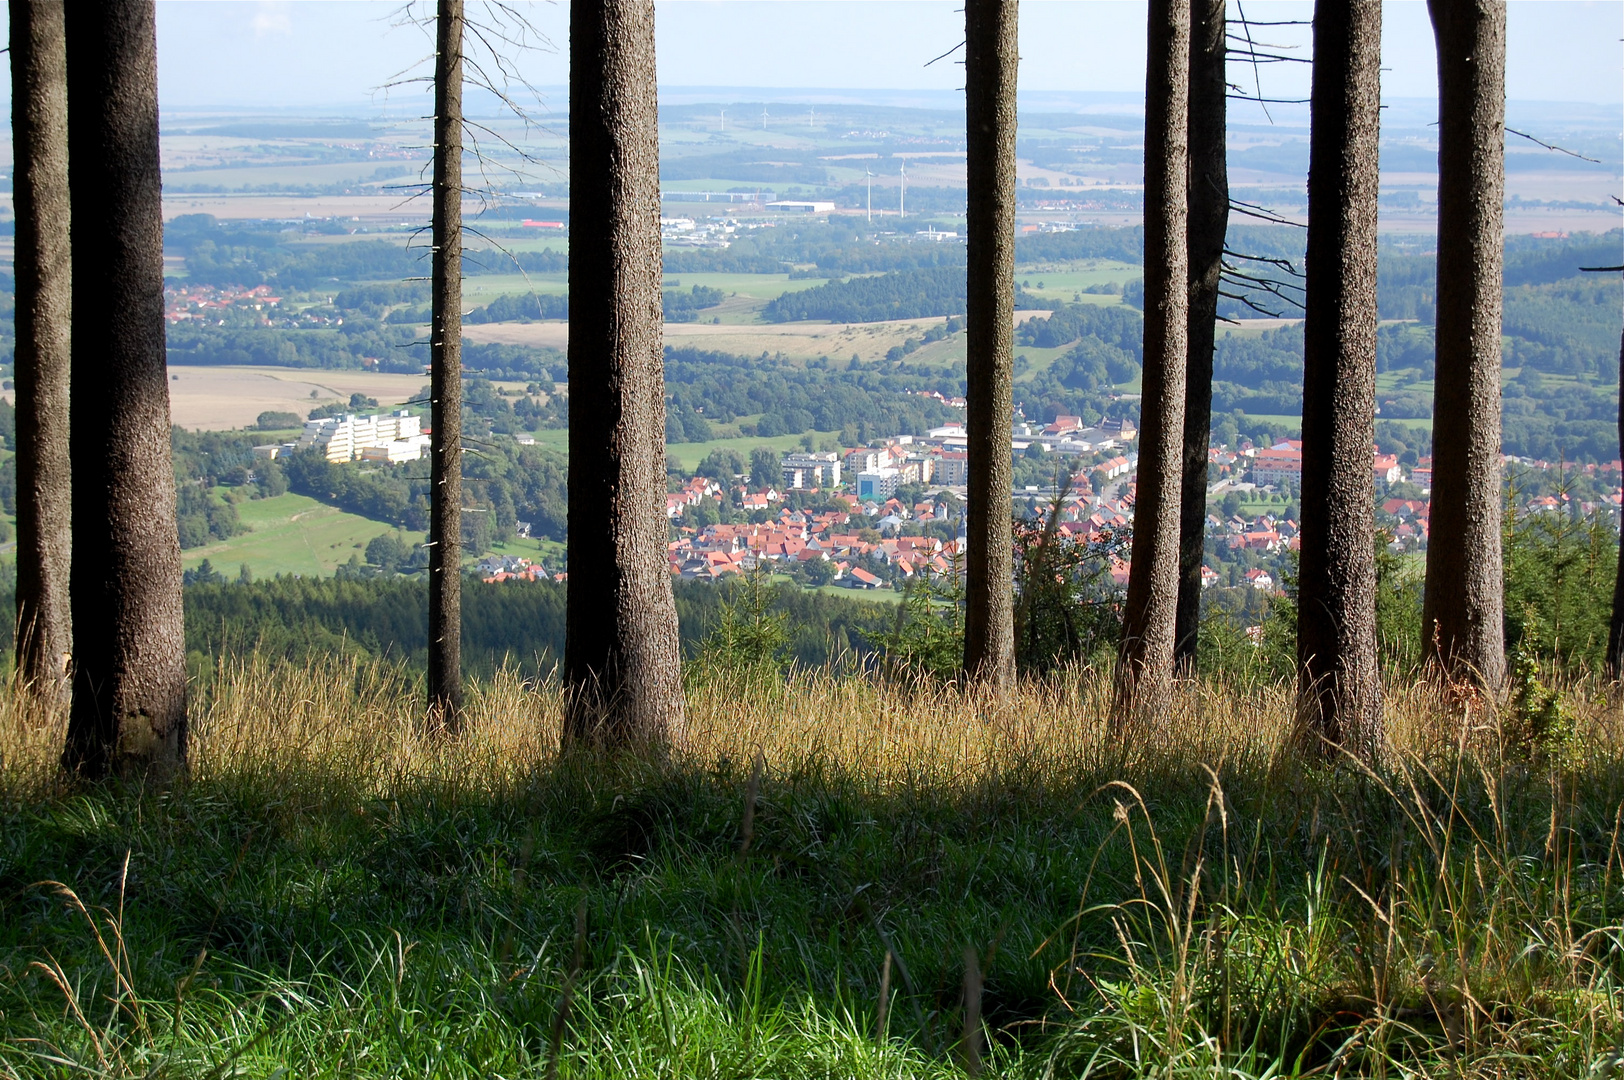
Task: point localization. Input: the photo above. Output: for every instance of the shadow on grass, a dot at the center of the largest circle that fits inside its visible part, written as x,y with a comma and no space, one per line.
332,894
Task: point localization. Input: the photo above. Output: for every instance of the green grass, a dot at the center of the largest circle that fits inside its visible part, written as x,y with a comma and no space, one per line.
291,534
260,177
480,289
1039,359
691,454
756,288
1064,281
334,893
1280,422
548,552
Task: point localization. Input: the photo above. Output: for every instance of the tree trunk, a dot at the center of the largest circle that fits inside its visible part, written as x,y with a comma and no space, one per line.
1206,229
129,680
1339,691
1150,617
1463,613
622,658
445,352
990,59
39,129
1615,627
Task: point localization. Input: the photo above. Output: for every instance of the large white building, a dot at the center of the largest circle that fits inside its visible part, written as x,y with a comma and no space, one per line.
877,485
395,436
805,471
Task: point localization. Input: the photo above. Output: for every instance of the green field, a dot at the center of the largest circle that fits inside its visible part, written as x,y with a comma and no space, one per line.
291,534
260,177
748,292
515,237
547,552
691,454
483,288
1063,281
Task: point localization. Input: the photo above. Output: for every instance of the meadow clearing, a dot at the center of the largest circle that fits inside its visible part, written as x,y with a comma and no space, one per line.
291,534
834,875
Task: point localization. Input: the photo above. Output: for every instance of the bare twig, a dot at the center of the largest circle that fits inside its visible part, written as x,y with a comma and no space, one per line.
1550,146
945,55
1238,206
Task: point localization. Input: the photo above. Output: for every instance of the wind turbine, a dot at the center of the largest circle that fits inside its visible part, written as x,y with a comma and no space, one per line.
764,118
724,119
868,178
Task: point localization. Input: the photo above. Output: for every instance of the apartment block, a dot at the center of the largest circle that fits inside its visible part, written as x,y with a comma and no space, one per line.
348,437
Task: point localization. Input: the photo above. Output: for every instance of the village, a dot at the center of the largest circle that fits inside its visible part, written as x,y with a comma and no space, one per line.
881,516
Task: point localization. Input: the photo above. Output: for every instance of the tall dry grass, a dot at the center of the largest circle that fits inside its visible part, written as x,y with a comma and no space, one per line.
357,725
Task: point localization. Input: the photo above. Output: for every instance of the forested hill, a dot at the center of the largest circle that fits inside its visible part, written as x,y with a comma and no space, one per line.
1561,339
518,623
225,253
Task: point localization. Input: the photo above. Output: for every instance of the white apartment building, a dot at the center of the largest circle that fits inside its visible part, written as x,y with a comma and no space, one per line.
877,485
803,472
398,450
952,468
345,438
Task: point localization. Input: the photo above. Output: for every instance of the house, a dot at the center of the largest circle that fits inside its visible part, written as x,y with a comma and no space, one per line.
1209,576
858,578
1109,470
1259,578
1387,468
1261,540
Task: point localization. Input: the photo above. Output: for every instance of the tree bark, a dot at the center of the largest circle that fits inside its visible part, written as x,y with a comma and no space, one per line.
990,60
1205,230
1339,692
1615,626
1464,608
622,658
44,264
129,680
445,353
1150,616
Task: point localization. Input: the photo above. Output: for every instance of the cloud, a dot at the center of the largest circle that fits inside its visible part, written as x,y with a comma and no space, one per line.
271,18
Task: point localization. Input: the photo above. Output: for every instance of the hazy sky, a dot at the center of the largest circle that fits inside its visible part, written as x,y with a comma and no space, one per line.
338,54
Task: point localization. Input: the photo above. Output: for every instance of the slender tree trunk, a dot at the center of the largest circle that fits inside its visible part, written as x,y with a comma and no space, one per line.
622,659
1150,617
39,131
445,352
990,59
1208,224
1339,691
129,680
1464,609
1615,627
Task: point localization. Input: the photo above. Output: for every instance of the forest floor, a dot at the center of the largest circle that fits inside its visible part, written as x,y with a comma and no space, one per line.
835,877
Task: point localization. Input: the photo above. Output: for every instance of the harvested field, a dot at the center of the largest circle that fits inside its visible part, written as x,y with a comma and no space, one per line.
222,398
802,340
